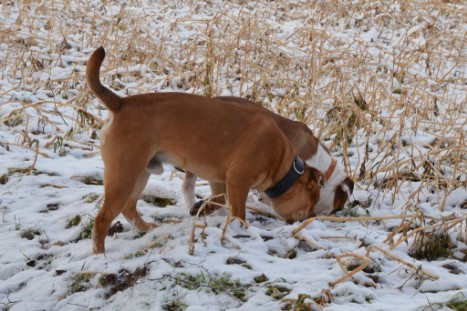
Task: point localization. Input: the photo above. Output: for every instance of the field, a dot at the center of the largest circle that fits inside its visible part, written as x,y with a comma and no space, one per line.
381,83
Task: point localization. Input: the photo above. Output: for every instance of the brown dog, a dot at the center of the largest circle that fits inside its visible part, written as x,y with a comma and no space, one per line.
222,142
337,186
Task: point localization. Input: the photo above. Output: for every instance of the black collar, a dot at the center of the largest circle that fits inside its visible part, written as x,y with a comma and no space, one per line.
297,169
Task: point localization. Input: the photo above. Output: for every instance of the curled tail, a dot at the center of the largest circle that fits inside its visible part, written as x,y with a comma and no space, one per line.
111,100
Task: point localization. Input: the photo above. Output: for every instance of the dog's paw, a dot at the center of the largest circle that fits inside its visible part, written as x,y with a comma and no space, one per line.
243,224
145,226
208,208
195,208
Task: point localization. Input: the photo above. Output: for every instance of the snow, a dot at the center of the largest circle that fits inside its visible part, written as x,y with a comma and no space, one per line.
456,197
42,84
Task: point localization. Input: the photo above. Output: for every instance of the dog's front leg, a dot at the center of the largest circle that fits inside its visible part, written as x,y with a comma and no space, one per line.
237,194
216,189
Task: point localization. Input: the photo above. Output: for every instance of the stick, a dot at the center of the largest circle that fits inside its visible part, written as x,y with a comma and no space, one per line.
191,239
171,220
230,219
262,213
402,261
31,168
365,262
343,219
450,223
311,243
26,147
155,243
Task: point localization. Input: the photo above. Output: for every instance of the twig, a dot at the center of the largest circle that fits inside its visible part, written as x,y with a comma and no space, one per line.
449,224
313,244
26,147
229,220
402,261
194,225
31,168
155,243
365,262
262,213
343,219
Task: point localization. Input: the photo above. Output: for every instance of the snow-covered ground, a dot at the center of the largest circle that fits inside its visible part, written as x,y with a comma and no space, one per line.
382,83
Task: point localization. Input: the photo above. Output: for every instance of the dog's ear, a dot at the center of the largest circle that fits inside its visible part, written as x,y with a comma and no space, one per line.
343,193
316,176
347,186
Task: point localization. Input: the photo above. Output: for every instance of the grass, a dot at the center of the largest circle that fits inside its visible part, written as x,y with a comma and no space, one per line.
432,246
175,304
353,211
117,282
457,305
73,222
261,278
158,201
135,255
302,303
277,292
390,103
86,231
346,94
355,208
80,282
91,197
252,65
91,180
30,233
217,284
237,261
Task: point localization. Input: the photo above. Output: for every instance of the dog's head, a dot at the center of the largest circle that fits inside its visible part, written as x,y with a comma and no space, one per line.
335,192
299,202
337,188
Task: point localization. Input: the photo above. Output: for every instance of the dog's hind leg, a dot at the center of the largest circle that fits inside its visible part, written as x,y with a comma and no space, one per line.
119,184
130,211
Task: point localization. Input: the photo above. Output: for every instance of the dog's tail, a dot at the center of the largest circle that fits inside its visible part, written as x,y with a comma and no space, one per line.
111,100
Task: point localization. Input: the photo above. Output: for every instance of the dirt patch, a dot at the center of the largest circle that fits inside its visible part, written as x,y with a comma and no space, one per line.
117,282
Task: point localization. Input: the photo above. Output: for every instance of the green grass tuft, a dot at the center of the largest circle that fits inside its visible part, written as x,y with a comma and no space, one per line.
432,247
216,284
30,233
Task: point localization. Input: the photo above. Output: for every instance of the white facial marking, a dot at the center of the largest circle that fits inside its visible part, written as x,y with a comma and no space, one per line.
321,161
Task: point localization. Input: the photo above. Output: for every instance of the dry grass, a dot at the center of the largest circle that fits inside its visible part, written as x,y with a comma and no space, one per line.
391,98
377,94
